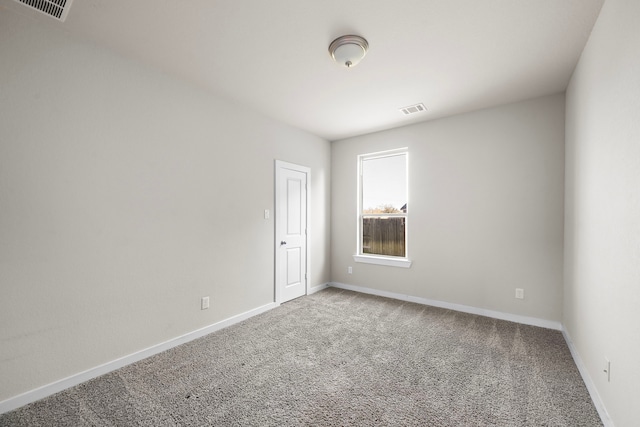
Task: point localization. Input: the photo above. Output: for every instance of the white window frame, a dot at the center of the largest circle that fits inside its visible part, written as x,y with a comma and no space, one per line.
393,261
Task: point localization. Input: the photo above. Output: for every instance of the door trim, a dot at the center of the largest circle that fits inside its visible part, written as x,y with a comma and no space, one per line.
279,165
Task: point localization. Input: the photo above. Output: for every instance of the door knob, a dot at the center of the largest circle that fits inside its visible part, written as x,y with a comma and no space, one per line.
283,243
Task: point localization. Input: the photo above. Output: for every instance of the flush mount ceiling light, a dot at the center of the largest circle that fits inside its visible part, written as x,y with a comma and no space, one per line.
348,50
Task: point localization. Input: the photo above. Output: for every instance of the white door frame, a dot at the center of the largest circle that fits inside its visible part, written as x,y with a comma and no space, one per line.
279,165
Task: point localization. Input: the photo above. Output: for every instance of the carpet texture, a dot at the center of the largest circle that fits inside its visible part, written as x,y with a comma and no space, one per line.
339,358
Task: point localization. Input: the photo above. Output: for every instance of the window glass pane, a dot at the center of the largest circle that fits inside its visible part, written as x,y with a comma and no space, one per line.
383,235
384,184
384,191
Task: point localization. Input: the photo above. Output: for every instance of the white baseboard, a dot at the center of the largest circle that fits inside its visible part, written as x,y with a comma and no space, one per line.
57,386
533,321
317,288
591,387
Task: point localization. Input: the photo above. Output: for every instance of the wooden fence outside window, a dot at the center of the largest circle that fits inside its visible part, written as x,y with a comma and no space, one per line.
383,236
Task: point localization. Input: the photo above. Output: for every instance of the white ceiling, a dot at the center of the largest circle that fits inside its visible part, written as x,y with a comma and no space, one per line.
452,55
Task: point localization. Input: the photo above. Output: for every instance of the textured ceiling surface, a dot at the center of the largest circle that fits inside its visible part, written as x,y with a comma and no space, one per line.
271,56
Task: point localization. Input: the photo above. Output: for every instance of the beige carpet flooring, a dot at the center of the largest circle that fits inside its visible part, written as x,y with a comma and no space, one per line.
339,358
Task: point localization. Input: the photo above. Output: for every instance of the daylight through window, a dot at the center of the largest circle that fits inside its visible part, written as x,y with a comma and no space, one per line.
383,204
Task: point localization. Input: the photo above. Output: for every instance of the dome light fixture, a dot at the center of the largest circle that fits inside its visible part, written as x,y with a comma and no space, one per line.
348,50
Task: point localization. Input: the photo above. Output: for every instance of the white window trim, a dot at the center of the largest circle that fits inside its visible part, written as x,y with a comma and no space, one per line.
383,260
392,261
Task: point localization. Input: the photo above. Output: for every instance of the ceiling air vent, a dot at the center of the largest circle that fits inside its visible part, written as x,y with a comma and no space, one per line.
413,109
54,8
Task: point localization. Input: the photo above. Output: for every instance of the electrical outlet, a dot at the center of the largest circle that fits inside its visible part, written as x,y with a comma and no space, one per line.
519,293
350,270
204,303
267,214
607,369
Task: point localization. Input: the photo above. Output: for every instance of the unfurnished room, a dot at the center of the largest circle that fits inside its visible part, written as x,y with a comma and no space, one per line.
320,213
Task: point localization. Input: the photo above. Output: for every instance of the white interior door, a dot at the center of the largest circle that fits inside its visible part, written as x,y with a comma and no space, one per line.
291,231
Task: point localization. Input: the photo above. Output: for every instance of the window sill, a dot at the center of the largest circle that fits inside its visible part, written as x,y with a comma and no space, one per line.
383,260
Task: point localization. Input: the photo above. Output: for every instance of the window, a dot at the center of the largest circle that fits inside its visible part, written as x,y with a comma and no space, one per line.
382,208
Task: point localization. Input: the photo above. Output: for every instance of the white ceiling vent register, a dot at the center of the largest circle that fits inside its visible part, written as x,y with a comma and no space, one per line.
413,109
58,9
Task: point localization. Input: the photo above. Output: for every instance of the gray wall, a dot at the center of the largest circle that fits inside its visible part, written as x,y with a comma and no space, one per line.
602,231
125,196
485,209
